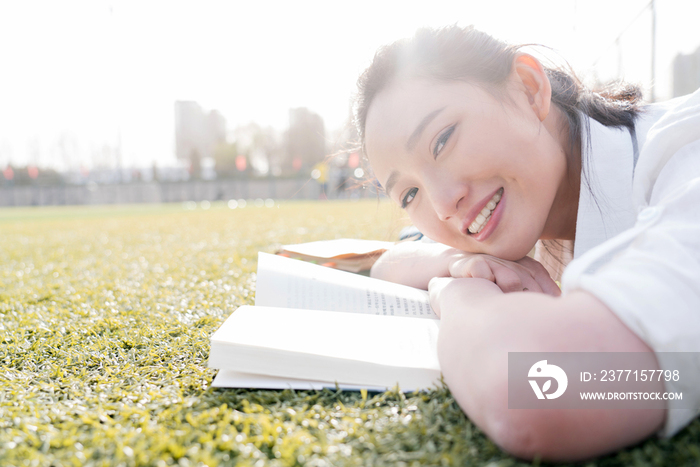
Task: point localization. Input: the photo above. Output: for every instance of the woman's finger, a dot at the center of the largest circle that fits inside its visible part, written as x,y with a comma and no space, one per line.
506,278
475,266
540,274
525,282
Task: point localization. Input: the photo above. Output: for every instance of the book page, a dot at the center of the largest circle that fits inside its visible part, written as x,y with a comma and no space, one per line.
288,283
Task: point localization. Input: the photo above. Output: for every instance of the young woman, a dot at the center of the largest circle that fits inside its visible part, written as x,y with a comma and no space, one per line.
491,154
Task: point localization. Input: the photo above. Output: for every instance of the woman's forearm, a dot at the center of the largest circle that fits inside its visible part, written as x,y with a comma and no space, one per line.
413,263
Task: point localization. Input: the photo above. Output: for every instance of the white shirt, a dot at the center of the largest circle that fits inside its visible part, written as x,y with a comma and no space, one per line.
637,245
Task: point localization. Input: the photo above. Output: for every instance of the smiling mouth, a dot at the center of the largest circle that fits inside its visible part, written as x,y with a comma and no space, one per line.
485,215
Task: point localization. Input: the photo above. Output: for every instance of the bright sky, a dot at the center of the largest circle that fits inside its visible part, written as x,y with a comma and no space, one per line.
94,69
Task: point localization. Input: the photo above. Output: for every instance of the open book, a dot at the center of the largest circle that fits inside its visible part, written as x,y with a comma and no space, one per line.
348,254
314,327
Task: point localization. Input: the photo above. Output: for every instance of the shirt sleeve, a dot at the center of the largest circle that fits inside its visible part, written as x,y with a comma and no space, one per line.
652,283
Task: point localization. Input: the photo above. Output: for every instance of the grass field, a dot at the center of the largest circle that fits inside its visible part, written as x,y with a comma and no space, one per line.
105,318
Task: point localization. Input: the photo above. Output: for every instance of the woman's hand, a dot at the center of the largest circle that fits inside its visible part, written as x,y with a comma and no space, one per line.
448,293
510,276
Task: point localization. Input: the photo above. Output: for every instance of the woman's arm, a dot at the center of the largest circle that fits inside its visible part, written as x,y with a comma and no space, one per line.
416,263
480,325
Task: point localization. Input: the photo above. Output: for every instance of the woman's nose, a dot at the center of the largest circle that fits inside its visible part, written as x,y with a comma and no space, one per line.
446,198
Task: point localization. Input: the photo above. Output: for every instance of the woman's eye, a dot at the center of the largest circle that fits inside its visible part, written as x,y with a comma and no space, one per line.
442,140
409,197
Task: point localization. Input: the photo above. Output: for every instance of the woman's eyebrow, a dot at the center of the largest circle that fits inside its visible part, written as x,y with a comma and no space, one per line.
391,181
415,136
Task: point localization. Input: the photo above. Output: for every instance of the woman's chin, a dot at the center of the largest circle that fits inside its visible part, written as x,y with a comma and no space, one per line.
512,252
509,252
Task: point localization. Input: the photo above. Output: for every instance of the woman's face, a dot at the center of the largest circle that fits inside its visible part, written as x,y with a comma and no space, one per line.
474,172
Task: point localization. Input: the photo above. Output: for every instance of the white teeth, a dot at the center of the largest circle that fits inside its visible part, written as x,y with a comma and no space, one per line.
483,217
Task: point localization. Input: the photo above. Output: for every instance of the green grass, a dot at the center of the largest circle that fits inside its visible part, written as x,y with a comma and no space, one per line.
105,318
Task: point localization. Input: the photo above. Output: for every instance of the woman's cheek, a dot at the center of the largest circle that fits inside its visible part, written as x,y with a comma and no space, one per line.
426,221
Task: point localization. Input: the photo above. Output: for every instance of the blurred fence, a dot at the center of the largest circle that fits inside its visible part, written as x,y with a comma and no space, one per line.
168,192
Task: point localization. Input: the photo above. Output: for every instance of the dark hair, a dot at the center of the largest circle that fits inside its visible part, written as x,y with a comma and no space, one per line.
466,54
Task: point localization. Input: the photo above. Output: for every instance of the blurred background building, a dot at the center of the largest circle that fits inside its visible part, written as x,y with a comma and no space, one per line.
197,136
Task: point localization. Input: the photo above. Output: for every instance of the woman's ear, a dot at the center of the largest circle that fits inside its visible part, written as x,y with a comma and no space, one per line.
536,83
